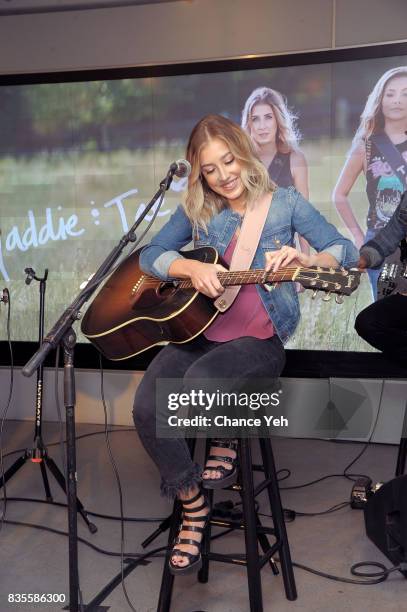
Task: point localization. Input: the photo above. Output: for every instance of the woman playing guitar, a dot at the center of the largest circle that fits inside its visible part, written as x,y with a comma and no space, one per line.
246,340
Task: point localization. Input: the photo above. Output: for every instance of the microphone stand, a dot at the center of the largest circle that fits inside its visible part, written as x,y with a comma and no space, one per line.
38,454
62,334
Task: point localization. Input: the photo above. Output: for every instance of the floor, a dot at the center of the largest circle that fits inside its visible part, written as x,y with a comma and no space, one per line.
36,561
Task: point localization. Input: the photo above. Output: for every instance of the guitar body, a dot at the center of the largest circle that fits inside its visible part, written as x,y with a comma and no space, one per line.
134,312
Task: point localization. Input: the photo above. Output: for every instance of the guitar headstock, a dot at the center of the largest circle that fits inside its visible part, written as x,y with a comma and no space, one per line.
330,280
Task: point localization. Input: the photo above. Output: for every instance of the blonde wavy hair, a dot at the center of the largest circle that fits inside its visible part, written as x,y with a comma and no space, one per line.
372,120
288,135
201,201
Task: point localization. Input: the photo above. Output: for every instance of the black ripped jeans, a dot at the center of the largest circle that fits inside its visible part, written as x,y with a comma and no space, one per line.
246,357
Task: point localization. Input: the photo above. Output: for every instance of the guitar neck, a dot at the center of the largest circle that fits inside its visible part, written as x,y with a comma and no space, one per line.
249,277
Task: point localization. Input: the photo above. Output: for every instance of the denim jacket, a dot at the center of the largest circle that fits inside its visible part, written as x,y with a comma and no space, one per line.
289,213
387,239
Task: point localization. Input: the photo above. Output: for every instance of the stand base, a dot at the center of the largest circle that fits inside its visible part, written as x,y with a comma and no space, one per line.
38,455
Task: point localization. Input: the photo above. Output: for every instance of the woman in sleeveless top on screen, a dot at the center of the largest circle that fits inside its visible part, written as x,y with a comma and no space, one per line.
272,127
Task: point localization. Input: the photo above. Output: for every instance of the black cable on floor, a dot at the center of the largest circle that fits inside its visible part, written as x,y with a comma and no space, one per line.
286,475
87,435
98,549
110,517
290,515
381,576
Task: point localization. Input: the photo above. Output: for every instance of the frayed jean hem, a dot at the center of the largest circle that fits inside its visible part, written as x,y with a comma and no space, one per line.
192,477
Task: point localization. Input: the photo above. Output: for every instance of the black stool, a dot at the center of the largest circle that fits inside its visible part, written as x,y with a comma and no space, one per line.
255,532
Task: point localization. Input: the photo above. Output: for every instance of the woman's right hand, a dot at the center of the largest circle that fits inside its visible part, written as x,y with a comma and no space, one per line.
204,278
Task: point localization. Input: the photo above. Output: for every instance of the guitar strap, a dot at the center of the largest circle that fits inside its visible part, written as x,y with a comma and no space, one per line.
392,155
246,246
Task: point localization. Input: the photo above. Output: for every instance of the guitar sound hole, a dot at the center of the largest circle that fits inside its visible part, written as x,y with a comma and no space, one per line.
165,290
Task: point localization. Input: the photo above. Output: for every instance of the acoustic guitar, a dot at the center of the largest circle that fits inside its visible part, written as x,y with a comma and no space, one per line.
134,311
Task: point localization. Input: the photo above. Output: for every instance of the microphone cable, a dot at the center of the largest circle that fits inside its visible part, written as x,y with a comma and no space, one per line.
119,486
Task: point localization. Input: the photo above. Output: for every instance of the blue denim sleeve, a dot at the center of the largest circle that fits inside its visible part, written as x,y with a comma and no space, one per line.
157,256
321,234
387,239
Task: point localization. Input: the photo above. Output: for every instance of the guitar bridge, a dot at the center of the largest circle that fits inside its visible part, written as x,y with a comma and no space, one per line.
136,287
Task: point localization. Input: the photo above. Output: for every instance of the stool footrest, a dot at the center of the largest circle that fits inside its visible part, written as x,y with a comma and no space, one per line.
240,559
262,486
230,524
270,553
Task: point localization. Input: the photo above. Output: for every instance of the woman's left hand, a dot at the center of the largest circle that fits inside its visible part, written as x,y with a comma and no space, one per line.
284,256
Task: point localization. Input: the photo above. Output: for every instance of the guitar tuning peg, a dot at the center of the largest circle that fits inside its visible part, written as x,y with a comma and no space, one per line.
327,297
314,294
339,299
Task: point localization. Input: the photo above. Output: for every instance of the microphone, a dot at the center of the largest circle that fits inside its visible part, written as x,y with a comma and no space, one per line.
30,275
181,168
4,296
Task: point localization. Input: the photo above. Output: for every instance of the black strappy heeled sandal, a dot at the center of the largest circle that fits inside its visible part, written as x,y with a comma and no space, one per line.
228,475
195,561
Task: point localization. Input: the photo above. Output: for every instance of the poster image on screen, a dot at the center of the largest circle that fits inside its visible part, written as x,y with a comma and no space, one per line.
79,161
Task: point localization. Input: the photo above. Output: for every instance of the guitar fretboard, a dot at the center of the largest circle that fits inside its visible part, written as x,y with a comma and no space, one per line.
248,277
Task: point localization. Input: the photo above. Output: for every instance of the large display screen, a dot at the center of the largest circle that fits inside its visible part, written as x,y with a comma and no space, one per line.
79,160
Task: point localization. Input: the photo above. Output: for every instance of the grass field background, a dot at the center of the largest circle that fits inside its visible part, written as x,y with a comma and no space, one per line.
83,184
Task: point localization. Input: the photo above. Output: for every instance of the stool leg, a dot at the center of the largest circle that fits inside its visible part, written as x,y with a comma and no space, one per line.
401,457
167,580
250,531
265,545
402,454
278,518
203,574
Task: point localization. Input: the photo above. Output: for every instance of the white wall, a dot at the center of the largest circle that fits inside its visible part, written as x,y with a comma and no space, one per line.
335,408
192,30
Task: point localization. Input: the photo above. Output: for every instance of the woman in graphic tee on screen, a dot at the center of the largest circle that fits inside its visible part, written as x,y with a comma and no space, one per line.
379,150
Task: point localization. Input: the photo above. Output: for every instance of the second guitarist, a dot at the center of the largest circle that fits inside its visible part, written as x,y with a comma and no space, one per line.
383,324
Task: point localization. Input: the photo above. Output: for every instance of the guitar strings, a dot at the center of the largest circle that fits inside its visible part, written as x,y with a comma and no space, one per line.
251,274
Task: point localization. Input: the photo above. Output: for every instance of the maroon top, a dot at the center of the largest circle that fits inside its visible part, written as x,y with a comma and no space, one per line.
245,317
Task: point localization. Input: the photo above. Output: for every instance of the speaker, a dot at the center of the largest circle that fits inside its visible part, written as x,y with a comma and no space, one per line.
386,520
